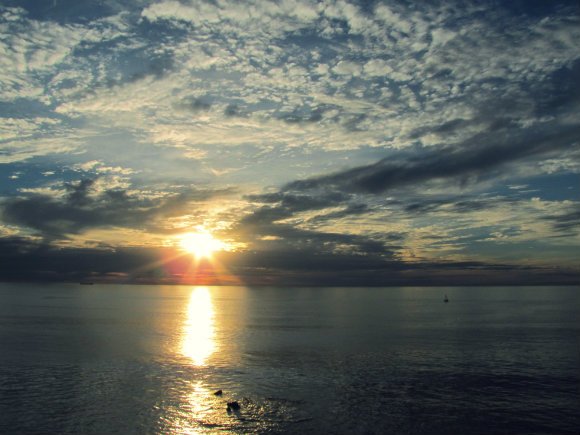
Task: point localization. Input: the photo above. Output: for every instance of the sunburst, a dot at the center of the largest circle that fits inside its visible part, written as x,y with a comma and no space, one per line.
201,244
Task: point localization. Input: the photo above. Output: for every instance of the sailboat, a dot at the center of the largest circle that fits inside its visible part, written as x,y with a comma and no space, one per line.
446,299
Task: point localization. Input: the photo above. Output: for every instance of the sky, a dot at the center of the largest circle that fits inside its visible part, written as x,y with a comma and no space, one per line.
321,142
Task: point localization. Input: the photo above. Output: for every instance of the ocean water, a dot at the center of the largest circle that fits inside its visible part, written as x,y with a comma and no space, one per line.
108,359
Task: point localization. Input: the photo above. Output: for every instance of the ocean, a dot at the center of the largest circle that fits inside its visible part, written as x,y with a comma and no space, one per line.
122,359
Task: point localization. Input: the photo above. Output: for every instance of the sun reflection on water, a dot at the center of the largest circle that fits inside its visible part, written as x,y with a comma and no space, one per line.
198,412
192,405
198,341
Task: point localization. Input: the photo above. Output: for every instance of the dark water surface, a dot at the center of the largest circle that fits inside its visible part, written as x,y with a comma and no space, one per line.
147,359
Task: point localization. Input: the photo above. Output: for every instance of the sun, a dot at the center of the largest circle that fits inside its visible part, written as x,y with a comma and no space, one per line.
200,244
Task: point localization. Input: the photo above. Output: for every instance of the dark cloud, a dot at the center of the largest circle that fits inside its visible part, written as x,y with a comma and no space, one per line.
562,94
303,115
420,206
137,65
281,243
352,122
282,205
194,105
497,116
25,260
474,158
83,208
79,192
297,202
277,229
286,236
233,110
308,267
268,232
568,223
29,260
349,210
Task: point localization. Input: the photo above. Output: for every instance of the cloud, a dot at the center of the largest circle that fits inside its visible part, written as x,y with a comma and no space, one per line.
347,68
377,68
48,46
130,71
192,104
254,17
473,159
305,267
567,224
416,224
26,259
84,206
21,150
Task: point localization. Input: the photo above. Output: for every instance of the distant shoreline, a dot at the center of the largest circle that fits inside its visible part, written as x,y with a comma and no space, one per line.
434,285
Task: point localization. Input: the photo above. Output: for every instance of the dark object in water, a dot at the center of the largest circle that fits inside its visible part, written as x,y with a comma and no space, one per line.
86,283
446,299
218,393
233,406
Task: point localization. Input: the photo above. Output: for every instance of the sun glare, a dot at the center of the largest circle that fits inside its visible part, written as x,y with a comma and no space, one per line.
201,244
198,334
